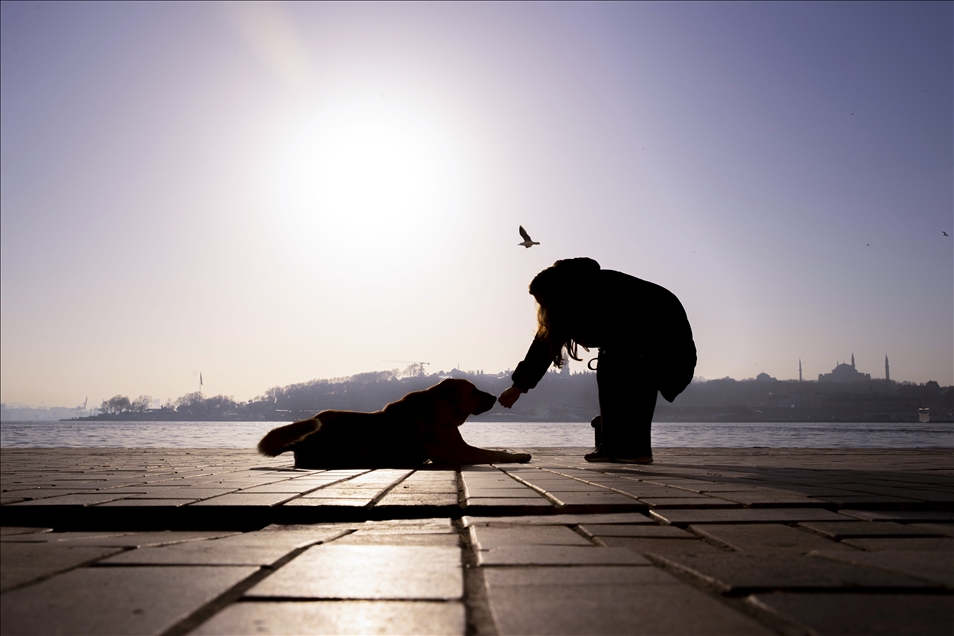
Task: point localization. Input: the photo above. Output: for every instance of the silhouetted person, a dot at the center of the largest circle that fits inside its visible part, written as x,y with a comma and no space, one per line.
644,340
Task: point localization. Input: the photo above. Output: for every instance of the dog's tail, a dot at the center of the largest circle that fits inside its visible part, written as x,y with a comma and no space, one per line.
278,440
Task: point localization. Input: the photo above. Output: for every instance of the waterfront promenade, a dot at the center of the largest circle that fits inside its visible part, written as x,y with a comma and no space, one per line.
704,541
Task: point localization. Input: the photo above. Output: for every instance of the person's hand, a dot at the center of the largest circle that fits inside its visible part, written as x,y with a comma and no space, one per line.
508,397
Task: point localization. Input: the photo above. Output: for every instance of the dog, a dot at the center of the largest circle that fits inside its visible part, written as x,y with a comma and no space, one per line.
421,426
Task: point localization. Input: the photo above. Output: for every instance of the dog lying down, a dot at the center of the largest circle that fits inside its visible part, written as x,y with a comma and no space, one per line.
420,426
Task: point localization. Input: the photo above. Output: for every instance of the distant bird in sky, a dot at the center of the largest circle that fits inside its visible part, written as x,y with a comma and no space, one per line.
527,241
944,233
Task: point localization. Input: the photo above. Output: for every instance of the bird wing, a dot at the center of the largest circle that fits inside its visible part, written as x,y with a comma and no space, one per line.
524,234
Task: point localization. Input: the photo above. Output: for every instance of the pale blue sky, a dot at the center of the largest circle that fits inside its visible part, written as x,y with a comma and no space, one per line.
273,193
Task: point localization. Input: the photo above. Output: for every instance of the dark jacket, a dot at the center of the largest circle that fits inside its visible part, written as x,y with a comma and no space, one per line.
633,318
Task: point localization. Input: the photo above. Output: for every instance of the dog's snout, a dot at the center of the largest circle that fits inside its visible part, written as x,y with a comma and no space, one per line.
485,402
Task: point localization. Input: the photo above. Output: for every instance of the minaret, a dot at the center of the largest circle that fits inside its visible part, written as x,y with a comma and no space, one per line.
887,369
799,369
852,359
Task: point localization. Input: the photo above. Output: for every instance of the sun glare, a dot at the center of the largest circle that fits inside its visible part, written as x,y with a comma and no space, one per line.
370,182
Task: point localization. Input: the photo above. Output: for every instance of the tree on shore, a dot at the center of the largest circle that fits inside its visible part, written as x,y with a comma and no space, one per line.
115,405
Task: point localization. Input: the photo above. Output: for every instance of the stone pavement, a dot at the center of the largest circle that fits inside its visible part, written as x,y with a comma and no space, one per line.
704,541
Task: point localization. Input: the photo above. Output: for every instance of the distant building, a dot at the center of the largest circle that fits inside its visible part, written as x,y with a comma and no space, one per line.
844,374
765,377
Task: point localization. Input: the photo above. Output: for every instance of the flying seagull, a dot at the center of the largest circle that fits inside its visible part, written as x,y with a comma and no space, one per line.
944,233
527,241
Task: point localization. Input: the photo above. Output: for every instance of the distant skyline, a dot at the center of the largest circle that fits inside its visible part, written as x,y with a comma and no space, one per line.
269,193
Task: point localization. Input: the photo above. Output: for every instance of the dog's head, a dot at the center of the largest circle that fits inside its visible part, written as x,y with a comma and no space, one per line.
466,398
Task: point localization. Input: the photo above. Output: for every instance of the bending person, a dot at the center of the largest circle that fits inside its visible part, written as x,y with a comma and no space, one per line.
644,340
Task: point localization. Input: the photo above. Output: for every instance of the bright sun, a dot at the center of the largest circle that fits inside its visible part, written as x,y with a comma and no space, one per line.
372,182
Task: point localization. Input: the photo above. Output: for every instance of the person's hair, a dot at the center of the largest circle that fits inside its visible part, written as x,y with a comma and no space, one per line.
557,314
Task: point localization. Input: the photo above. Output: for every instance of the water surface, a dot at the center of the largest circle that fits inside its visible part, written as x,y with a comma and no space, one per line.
506,434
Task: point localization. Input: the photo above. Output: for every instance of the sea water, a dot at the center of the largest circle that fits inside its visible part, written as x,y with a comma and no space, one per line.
87,434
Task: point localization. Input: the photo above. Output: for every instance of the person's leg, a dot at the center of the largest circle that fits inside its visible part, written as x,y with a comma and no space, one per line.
597,425
627,393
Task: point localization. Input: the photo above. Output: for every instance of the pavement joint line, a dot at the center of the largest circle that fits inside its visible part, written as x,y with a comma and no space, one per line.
461,489
479,617
578,528
235,593
590,483
336,599
717,589
45,577
374,500
770,617
725,547
556,502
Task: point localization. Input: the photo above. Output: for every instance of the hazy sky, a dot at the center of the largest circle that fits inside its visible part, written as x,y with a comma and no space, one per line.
268,194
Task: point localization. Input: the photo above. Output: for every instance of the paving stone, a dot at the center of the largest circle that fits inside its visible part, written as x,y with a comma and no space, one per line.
673,608
644,531
540,502
504,493
751,573
762,499
772,538
569,485
43,493
148,539
418,499
874,614
145,600
485,538
642,545
920,494
920,563
684,502
287,486
856,529
555,575
864,500
939,545
604,518
944,529
253,548
56,537
330,502
368,572
181,493
240,499
558,555
339,617
24,562
744,515
7,531
601,498
85,499
904,516
377,538
148,503
405,526
640,490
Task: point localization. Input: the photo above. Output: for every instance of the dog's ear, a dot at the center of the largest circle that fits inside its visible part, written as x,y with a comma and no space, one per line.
461,394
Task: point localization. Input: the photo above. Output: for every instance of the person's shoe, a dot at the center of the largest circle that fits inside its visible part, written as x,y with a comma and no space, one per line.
597,456
643,459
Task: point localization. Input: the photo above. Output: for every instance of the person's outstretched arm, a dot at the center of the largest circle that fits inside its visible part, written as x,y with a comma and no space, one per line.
528,372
